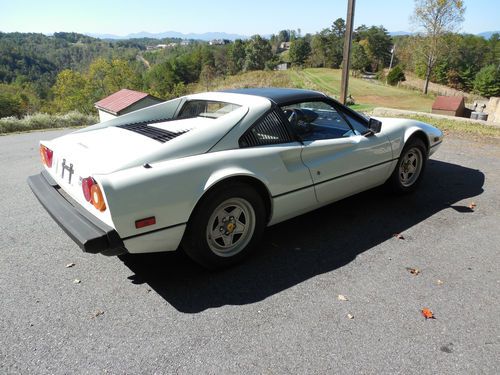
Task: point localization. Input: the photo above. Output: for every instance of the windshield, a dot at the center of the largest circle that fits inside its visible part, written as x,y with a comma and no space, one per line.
206,108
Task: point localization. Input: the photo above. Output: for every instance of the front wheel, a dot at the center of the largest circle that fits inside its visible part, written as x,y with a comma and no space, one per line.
410,167
225,226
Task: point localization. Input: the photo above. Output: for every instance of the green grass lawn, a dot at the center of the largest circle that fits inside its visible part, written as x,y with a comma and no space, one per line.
367,94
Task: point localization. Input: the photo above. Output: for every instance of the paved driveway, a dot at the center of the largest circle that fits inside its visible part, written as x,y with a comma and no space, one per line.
279,312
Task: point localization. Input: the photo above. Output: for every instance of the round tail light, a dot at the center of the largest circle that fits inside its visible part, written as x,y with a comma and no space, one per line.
46,154
97,197
93,194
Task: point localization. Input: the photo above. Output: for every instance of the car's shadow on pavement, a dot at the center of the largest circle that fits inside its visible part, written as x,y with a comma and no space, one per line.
306,246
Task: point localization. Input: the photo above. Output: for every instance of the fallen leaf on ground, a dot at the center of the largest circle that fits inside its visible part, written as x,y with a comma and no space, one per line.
427,313
399,236
350,316
413,271
472,205
341,297
69,265
97,313
76,281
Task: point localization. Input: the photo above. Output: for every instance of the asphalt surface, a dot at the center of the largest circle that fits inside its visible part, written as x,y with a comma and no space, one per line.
279,312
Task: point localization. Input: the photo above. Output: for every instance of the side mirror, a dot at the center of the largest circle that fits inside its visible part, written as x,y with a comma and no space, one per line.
375,125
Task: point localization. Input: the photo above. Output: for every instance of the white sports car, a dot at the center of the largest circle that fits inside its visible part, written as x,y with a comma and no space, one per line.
208,172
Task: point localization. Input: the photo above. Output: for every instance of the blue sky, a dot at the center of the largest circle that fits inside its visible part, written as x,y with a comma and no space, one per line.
231,16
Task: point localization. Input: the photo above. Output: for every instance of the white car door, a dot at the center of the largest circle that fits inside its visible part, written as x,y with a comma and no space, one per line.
342,160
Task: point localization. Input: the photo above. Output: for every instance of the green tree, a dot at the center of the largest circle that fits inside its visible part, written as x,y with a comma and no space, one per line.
493,54
258,52
207,75
396,75
487,82
106,77
69,92
377,44
337,43
359,59
320,49
300,49
237,56
10,106
435,18
161,79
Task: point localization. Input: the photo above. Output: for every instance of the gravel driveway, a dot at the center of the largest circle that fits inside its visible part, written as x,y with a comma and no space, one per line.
279,312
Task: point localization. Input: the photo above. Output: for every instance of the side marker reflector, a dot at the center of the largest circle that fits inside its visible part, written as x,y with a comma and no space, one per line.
145,222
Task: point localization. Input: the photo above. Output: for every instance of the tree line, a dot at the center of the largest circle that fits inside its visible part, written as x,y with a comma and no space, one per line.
70,71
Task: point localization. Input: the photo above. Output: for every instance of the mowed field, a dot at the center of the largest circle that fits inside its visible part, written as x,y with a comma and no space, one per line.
367,94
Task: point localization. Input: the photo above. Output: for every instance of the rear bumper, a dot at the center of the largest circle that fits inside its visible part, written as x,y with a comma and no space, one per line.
88,232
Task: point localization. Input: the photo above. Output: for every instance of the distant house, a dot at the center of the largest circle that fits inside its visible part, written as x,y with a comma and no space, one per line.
285,46
282,66
449,105
124,101
219,42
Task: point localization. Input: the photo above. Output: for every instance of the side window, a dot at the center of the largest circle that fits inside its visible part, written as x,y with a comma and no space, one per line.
270,129
317,120
358,124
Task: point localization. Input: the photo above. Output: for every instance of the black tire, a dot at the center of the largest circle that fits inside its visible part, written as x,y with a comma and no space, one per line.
410,167
225,226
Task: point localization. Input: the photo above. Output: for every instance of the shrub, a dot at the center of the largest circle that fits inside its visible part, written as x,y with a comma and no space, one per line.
395,75
39,121
9,106
487,81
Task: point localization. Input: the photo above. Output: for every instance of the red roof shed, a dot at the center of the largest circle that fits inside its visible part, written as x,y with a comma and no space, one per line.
124,101
449,105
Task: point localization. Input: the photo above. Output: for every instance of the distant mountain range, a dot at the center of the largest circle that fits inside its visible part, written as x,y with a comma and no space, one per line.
220,35
172,34
485,35
399,33
488,34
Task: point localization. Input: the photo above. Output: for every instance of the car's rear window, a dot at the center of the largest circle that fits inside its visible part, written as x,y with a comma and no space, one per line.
206,108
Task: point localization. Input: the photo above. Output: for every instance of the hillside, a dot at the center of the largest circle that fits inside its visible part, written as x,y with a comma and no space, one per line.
38,58
367,94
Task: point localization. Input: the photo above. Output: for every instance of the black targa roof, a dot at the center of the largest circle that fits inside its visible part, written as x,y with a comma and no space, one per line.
280,95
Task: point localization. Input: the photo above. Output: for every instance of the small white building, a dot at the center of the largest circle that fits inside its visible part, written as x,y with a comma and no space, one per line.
285,46
124,101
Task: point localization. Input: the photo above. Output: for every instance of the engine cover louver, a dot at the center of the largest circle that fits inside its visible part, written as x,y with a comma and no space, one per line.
144,128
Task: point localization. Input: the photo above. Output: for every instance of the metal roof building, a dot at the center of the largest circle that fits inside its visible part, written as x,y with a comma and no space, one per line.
124,101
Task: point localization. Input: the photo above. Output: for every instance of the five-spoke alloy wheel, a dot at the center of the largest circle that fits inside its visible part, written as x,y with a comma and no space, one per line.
410,167
225,225
231,226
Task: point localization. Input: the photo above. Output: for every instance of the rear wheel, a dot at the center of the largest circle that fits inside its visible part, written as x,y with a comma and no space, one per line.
225,226
411,165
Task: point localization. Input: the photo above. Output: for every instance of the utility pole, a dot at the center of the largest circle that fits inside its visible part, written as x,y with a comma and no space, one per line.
393,50
347,51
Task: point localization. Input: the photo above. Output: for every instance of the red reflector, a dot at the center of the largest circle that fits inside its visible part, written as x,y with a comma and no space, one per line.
49,154
145,222
86,186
